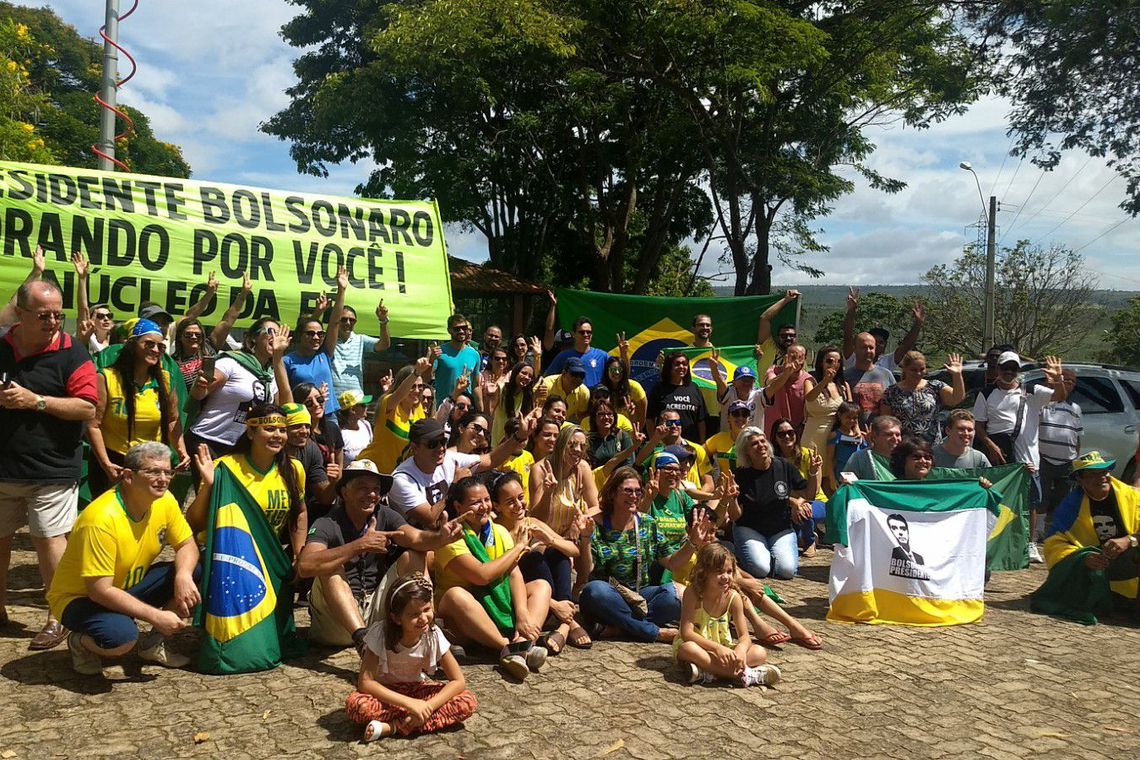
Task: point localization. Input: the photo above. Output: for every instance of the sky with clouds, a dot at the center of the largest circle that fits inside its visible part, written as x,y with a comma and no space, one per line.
210,71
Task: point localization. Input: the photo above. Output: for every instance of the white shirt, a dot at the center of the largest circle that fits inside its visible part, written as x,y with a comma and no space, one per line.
221,419
412,487
999,412
355,441
1061,430
755,400
407,664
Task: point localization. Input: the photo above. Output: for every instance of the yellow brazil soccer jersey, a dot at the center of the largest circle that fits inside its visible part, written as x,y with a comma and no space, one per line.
521,463
268,489
577,400
106,542
148,415
721,448
390,434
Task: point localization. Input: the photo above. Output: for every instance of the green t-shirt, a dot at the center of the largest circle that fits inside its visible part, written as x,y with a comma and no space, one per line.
672,514
615,552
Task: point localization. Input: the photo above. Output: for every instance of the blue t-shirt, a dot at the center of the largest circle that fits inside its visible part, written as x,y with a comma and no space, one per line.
348,363
845,447
452,364
315,369
594,359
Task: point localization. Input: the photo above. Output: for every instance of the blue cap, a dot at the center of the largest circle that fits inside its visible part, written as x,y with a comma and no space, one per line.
743,371
145,327
680,453
664,459
575,366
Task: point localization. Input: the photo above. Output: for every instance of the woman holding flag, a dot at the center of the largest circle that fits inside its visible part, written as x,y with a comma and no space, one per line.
248,503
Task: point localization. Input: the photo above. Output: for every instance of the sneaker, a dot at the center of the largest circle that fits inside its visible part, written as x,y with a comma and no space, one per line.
160,655
536,658
1035,554
83,660
514,665
691,672
763,675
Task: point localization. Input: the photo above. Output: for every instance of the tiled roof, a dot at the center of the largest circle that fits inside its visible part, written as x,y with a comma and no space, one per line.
468,277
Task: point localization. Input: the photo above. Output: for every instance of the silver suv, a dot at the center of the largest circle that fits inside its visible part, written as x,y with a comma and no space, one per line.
1109,398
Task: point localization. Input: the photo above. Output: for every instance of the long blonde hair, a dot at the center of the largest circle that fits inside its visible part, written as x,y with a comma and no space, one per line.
711,559
561,451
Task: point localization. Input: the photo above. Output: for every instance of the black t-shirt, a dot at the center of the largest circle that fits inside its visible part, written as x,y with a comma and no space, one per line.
328,438
1106,518
686,400
764,496
315,474
364,571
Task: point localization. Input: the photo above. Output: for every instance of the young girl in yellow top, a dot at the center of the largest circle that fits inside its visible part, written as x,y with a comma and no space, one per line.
705,648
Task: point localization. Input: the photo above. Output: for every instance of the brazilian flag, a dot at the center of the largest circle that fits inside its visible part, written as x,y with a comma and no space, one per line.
246,613
1008,545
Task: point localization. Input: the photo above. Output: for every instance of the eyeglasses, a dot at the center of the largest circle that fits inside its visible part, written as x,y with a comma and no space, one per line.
192,336
315,333
632,491
151,345
49,316
157,472
585,332
102,315
671,470
922,457
460,328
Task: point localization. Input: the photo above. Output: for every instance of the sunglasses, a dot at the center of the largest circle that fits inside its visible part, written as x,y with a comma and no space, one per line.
49,316
102,316
585,332
150,345
318,401
434,444
192,336
739,413
315,333
478,429
786,433
348,320
672,423
270,331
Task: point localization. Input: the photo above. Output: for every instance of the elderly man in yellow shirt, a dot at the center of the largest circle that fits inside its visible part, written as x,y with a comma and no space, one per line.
107,578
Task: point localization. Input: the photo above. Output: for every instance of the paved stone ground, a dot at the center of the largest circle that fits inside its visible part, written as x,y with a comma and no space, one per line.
1014,685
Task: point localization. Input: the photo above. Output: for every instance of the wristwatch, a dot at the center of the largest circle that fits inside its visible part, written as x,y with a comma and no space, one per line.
1133,541
41,403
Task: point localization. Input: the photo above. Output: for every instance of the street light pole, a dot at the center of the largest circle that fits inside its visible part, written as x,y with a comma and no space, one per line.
110,88
991,255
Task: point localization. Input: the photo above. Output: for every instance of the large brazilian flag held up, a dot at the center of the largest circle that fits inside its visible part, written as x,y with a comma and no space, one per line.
158,238
247,605
655,324
911,553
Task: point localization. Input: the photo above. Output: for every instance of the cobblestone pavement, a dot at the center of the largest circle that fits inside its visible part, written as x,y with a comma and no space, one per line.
1014,685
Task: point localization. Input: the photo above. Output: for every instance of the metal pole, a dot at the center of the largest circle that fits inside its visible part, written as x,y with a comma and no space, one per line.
110,87
991,244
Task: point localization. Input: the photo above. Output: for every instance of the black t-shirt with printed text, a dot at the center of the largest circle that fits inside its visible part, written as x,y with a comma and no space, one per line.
764,496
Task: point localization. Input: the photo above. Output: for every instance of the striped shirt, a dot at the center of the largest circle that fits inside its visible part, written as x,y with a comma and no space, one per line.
1060,432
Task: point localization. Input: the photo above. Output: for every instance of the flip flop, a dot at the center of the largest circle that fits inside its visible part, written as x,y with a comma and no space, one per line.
813,642
775,638
554,642
576,633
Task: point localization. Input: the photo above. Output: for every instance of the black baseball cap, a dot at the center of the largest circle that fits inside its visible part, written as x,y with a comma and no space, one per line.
425,431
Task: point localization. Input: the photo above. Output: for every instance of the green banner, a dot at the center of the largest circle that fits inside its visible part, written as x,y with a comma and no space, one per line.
653,324
158,238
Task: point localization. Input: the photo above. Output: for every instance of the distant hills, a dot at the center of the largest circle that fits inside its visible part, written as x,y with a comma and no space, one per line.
835,296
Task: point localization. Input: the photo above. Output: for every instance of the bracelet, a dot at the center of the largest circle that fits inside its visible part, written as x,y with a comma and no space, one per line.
382,321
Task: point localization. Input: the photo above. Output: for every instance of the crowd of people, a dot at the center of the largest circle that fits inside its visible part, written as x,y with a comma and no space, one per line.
503,498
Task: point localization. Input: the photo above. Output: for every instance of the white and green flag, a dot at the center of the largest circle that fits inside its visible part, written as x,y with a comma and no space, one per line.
910,553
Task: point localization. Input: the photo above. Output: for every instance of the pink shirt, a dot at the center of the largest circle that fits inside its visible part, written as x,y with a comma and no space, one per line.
788,401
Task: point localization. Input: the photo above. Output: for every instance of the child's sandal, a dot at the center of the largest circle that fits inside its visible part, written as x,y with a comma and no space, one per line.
376,730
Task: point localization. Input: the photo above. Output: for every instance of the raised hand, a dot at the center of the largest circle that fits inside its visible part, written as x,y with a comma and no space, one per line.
281,342
39,260
551,297
246,283
535,345
381,312
434,351
953,364
322,304
342,278
791,295
205,462
423,366
212,283
1052,369
622,343
919,311
81,264
386,382
461,386
852,299
816,463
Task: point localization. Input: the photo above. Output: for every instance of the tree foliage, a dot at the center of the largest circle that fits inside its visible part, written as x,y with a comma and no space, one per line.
48,77
1124,336
1042,300
1069,66
598,136
875,310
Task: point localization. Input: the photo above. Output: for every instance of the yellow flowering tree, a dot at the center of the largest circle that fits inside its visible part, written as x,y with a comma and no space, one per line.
21,104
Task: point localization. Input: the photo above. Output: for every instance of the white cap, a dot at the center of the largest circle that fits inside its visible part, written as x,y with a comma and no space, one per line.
1009,356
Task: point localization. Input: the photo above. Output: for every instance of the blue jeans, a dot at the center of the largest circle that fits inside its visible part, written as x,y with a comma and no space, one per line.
761,555
601,602
551,566
807,527
110,629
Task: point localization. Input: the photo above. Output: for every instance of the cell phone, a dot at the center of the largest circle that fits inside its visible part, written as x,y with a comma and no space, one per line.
207,368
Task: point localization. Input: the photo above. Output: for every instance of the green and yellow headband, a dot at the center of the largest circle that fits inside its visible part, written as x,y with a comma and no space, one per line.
296,414
269,420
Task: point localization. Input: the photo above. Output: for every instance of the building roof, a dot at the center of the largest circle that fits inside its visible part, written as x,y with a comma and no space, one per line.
468,277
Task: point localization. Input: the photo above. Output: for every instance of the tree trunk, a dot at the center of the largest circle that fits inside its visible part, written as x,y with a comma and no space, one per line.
761,274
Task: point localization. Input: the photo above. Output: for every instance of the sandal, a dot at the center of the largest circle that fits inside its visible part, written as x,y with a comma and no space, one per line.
575,638
775,639
554,642
813,642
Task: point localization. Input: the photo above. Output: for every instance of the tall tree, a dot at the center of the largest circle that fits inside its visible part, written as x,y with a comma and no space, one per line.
1069,66
1042,300
1124,337
61,70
